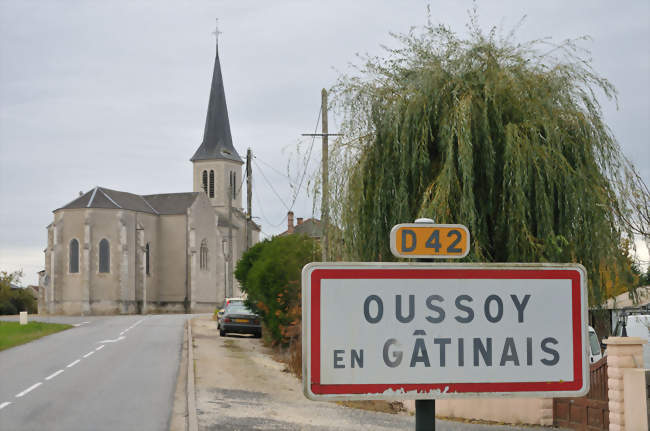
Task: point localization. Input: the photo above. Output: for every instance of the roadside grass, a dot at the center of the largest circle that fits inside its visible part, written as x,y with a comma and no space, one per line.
14,334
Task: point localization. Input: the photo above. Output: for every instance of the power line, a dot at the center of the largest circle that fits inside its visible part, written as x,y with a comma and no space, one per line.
302,179
311,147
264,215
271,185
271,166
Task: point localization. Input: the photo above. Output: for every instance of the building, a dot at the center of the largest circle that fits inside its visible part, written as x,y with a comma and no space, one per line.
605,318
111,251
310,227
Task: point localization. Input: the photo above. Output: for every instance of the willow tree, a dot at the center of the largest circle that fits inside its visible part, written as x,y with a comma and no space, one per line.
505,138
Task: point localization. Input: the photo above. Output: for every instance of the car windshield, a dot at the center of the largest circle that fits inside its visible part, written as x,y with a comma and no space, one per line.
238,309
595,345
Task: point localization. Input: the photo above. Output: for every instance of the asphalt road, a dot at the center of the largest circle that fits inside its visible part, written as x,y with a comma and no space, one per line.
114,373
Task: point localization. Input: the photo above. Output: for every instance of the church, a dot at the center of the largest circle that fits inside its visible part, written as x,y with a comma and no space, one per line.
115,252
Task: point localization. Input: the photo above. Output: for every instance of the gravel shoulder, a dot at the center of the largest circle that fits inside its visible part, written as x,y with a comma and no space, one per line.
240,387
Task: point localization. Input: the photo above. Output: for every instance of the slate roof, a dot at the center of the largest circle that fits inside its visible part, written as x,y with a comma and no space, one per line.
171,203
310,227
217,140
160,204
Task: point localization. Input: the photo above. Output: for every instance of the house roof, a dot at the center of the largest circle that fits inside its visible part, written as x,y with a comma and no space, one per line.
310,227
159,204
217,140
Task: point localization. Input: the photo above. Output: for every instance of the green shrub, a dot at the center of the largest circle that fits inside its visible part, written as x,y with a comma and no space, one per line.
7,308
269,273
12,301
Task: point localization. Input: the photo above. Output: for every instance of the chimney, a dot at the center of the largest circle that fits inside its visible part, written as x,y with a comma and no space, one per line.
300,219
290,222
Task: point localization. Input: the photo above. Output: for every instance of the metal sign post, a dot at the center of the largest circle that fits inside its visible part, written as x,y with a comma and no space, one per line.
425,410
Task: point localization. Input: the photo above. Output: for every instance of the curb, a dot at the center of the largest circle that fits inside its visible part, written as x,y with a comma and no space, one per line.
192,423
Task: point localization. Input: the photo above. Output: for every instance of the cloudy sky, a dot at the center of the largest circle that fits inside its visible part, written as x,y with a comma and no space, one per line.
115,93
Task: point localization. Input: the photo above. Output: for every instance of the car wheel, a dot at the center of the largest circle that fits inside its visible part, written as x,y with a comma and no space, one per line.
222,332
258,334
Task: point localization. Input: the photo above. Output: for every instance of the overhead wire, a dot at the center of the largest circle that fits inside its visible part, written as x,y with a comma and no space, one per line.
257,200
271,166
302,178
271,185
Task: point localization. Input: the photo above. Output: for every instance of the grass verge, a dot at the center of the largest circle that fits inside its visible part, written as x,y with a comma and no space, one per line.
14,334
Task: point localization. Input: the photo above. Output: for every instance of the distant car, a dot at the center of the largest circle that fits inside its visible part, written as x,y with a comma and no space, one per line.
239,319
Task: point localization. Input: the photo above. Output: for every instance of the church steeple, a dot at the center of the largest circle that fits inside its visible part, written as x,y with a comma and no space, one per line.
217,140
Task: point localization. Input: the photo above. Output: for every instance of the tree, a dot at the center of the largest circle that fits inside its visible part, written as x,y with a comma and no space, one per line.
505,138
13,301
269,273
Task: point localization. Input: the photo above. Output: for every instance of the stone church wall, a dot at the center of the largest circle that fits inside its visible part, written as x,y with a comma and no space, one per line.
69,292
171,265
206,289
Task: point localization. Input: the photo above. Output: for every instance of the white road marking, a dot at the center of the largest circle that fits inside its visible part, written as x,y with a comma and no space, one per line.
132,326
89,353
53,375
72,364
121,337
99,348
5,404
76,325
29,389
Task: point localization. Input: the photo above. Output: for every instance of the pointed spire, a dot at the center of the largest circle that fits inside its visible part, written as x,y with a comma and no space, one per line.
217,140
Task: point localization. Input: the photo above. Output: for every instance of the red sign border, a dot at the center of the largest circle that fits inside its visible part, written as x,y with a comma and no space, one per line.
414,272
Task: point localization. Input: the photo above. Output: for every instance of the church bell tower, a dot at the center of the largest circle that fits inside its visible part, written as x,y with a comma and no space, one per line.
216,163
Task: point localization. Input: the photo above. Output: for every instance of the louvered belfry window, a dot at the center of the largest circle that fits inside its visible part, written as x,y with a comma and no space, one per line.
104,256
211,184
233,185
205,181
74,256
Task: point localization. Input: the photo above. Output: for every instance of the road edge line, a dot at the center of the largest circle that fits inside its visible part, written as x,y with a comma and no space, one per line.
192,422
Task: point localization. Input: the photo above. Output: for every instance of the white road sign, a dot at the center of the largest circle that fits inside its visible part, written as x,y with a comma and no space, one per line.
423,330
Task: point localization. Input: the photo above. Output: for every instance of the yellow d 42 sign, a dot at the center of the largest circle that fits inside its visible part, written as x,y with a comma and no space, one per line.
429,240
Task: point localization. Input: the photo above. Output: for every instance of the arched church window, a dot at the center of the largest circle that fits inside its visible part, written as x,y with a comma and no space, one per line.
205,181
211,184
146,258
104,256
74,256
204,254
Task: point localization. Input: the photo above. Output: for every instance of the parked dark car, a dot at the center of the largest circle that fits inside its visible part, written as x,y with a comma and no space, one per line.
227,303
237,318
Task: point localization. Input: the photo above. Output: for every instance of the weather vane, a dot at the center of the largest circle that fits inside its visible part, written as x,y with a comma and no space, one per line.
216,31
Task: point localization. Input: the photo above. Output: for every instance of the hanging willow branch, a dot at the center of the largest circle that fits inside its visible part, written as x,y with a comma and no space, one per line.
507,139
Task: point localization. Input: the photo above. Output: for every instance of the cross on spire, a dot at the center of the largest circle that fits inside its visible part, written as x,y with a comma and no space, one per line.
216,31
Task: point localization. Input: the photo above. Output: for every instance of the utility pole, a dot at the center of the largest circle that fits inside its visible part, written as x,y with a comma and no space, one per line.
249,198
231,189
325,179
324,202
